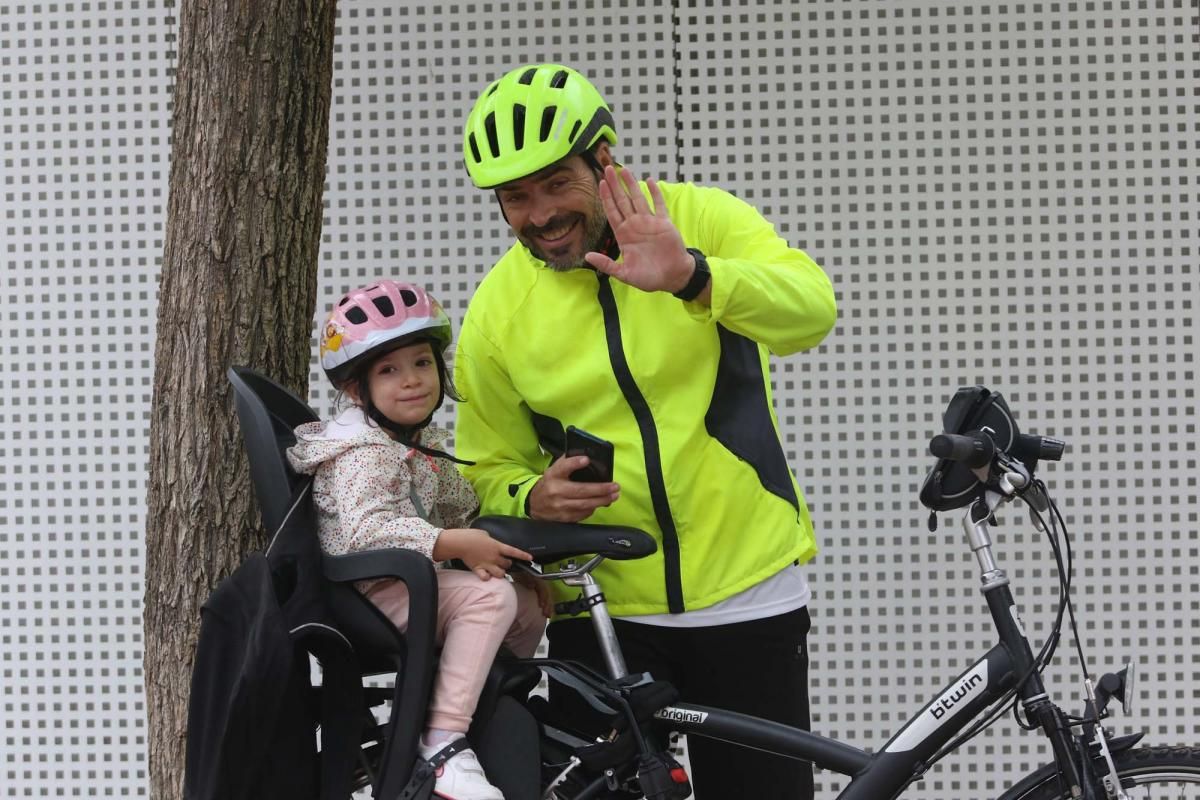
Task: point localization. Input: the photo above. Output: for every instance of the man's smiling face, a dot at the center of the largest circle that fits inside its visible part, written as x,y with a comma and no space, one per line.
556,212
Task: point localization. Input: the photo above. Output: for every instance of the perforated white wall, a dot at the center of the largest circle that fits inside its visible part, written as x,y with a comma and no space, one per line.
1003,193
83,171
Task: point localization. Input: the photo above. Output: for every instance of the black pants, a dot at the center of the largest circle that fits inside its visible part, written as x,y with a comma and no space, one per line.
758,668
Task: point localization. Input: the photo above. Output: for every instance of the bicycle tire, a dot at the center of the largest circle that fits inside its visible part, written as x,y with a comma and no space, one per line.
1145,772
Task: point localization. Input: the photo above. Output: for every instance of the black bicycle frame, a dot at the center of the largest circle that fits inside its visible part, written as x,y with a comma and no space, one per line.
873,777
886,774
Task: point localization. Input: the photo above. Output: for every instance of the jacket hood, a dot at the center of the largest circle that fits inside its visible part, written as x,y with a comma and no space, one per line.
319,442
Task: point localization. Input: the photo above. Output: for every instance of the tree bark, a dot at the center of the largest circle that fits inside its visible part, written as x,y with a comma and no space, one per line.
239,274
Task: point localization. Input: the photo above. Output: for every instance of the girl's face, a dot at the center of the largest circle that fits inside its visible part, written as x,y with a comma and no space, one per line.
405,384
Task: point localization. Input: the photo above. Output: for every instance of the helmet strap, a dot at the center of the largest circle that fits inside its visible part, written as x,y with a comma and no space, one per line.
608,243
406,435
496,192
590,158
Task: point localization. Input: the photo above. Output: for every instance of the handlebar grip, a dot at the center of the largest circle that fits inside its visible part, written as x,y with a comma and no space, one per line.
1043,448
973,449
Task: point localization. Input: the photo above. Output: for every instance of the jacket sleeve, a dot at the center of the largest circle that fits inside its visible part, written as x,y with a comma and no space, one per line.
496,432
761,288
371,488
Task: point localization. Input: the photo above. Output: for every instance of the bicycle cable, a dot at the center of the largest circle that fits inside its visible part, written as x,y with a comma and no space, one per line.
1044,656
1065,572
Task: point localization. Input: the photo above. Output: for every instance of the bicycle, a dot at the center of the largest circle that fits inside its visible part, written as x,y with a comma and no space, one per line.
984,463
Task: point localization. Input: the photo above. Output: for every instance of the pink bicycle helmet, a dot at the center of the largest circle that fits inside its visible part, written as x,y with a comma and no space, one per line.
375,319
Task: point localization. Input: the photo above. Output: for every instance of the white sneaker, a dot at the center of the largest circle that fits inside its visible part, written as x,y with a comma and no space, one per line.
461,777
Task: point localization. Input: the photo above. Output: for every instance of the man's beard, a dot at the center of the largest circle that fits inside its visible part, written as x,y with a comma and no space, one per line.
595,232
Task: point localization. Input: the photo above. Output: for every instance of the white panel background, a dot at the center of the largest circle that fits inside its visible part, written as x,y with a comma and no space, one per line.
1002,192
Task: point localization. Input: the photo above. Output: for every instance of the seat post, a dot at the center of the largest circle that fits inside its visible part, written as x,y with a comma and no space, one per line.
614,659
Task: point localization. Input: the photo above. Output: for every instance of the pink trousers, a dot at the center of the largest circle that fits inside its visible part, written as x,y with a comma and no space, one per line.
473,618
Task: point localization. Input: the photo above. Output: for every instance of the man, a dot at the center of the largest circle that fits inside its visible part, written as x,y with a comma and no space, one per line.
643,314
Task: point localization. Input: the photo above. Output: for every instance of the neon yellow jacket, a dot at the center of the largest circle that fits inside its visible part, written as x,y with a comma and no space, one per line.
682,391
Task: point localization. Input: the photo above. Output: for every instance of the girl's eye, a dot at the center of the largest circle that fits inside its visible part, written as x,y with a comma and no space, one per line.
425,362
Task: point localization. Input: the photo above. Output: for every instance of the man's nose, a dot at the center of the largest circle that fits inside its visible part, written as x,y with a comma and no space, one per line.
542,210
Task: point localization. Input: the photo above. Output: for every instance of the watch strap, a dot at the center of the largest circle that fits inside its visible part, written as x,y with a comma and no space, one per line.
700,277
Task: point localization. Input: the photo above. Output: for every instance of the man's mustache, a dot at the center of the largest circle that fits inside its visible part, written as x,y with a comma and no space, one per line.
556,223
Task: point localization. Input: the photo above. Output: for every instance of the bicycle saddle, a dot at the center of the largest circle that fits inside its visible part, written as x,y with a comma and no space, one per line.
549,542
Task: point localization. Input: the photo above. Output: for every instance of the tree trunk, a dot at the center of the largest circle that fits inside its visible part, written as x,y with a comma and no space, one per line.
239,274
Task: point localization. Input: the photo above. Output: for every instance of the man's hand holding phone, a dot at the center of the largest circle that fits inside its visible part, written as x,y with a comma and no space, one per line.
578,483
599,452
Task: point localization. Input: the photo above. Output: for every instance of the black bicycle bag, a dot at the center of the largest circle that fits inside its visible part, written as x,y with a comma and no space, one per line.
949,484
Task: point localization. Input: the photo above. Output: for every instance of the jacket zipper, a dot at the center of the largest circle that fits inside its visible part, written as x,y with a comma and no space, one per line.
649,432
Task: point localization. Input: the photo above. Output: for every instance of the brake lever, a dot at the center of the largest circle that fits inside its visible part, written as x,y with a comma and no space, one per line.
1036,498
1038,504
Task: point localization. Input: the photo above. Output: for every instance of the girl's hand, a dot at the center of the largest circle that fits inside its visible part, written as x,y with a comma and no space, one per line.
482,554
539,587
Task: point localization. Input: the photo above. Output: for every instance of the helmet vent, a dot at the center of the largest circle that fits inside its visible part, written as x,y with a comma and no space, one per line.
343,301
559,80
384,304
527,76
518,126
475,148
575,130
489,123
409,297
492,91
547,121
356,315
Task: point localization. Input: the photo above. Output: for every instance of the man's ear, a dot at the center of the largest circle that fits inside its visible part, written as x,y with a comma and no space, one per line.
603,154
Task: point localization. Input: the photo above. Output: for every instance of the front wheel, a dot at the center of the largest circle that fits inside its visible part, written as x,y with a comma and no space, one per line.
1146,772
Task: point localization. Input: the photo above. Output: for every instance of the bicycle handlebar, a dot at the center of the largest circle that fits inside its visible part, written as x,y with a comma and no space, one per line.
1045,448
973,449
976,449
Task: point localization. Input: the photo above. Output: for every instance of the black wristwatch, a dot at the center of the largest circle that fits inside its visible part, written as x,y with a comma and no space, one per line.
700,277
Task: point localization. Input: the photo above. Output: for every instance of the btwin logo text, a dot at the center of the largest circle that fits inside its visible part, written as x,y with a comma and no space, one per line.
948,701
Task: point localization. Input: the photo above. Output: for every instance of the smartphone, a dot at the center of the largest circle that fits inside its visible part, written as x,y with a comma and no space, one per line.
598,451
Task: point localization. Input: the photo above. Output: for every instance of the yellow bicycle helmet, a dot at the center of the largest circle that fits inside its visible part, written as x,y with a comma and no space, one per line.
529,119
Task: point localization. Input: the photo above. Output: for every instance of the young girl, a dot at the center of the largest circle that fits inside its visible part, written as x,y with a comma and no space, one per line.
383,480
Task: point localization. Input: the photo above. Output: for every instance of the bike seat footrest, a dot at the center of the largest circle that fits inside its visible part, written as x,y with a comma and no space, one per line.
578,605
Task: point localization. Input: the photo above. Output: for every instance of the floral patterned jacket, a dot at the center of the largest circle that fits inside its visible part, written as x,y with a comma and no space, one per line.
371,492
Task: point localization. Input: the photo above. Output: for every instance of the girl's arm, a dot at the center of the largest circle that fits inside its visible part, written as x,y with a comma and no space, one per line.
372,487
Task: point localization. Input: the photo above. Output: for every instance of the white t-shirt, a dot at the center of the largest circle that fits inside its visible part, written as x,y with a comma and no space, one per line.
786,590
